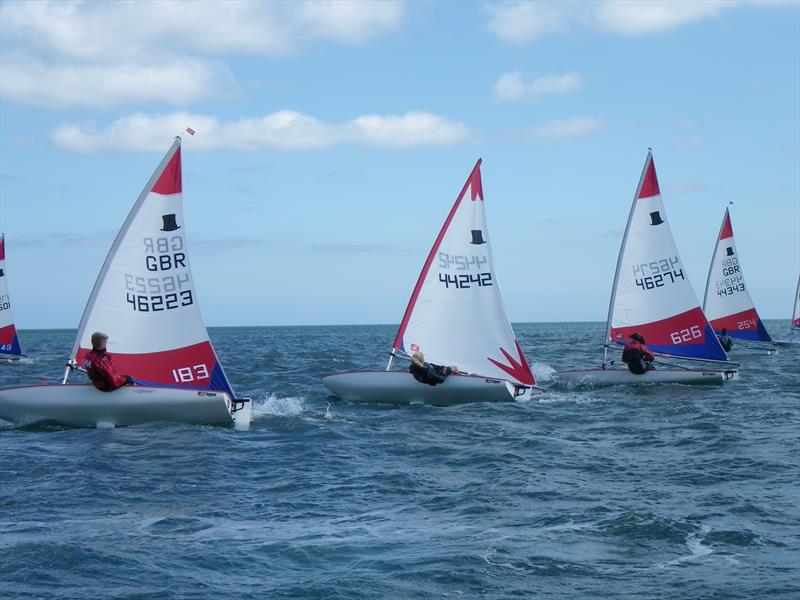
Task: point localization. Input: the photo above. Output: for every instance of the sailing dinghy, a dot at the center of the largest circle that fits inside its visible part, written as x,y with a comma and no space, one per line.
652,295
793,342
455,316
9,342
727,302
144,299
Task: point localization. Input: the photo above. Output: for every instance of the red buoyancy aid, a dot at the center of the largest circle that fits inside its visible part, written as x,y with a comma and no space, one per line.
101,371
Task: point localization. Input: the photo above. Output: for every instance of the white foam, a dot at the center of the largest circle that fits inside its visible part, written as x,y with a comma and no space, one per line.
275,406
542,372
694,542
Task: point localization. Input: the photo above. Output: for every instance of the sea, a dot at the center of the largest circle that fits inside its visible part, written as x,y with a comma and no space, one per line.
674,492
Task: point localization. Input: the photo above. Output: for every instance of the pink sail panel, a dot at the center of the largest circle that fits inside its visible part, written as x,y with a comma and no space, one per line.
456,315
9,342
727,302
651,293
145,299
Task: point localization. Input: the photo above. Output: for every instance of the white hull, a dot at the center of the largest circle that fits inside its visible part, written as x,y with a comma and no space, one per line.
593,377
399,387
787,343
85,406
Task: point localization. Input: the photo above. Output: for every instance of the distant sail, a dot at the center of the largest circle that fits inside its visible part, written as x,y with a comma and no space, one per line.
796,312
727,301
9,342
651,293
144,298
456,314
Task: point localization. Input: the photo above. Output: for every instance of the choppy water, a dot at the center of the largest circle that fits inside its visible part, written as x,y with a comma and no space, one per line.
669,492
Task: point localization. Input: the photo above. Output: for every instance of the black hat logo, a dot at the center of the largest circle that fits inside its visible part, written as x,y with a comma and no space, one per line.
655,218
169,223
477,237
729,251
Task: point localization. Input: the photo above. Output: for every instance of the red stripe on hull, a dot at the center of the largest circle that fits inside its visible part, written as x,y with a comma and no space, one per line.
191,366
170,180
689,327
747,320
7,334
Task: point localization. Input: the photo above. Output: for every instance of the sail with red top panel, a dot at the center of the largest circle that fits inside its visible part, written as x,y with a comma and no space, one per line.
9,341
727,301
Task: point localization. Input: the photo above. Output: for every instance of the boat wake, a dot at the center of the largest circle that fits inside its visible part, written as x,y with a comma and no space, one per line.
274,406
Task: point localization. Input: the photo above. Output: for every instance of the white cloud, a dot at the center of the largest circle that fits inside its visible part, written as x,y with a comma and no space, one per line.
129,51
568,129
280,130
179,81
522,21
513,86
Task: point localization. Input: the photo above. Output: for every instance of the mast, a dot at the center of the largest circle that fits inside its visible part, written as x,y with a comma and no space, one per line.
611,302
714,257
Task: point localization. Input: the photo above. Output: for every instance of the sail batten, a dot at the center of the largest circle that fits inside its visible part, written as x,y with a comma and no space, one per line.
144,298
651,294
456,315
727,302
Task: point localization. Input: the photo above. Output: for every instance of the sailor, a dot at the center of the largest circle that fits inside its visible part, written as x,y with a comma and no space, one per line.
637,356
725,340
428,373
99,367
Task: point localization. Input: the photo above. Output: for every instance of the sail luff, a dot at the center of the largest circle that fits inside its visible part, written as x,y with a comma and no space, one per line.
398,339
714,259
115,246
9,341
796,312
621,255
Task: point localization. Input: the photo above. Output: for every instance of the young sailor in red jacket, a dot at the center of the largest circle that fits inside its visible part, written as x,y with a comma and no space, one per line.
638,356
99,367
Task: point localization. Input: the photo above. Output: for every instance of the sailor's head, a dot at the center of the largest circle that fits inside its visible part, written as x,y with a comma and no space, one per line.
637,337
418,359
99,340
724,331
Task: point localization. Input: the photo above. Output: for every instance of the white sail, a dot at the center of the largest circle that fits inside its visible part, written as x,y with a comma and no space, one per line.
652,294
144,298
456,314
9,342
727,302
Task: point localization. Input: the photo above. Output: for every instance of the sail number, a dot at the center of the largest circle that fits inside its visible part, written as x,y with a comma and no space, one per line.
144,303
5,303
466,281
747,324
657,273
659,280
6,347
188,374
730,285
461,263
686,335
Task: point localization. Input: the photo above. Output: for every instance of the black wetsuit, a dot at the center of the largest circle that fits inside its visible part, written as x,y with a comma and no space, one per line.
727,342
430,374
634,358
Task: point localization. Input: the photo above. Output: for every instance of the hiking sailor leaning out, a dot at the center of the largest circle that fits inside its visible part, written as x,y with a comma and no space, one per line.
429,373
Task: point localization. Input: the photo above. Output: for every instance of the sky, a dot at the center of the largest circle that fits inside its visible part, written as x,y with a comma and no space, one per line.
333,137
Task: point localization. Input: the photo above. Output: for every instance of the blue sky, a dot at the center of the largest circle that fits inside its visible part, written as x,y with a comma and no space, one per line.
332,139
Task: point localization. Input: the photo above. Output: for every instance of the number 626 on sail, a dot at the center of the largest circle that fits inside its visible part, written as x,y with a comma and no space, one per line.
686,335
